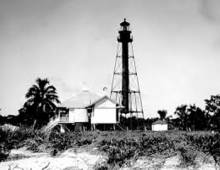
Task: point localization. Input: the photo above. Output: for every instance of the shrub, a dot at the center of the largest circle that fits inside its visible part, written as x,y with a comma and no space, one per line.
156,143
120,147
63,141
119,151
21,137
4,149
103,165
187,155
206,142
17,139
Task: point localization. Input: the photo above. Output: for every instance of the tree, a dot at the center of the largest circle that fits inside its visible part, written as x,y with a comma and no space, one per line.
197,118
41,100
162,114
183,118
191,118
213,108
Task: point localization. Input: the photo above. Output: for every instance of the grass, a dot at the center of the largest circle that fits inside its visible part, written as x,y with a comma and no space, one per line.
120,147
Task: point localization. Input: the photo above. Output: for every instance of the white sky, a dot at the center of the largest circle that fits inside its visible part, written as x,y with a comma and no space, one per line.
176,46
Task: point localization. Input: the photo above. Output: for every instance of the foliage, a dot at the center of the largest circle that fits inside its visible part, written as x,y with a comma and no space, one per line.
187,155
162,114
121,147
102,166
40,104
64,141
18,138
181,111
21,137
213,108
187,145
191,118
197,118
4,149
212,104
119,151
208,143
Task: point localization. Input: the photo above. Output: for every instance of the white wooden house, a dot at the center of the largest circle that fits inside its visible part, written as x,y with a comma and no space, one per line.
88,108
104,111
74,110
160,125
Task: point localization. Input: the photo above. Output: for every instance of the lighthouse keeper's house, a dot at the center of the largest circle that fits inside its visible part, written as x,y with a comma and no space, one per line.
87,110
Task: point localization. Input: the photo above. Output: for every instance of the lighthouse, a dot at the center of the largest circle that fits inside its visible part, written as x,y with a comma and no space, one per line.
125,85
125,38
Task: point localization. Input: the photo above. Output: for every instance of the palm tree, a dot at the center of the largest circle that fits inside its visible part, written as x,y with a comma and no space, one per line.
162,114
41,99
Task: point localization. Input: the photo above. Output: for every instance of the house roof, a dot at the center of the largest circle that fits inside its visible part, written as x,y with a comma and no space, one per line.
81,100
102,99
162,122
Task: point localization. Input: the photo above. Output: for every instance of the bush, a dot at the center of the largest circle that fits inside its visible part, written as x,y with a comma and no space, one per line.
187,144
4,149
156,143
206,142
119,151
187,155
21,137
120,147
63,141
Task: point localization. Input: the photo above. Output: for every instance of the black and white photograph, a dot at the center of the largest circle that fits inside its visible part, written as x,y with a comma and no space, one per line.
109,85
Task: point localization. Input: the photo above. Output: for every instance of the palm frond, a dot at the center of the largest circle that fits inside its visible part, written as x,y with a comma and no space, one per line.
33,91
50,89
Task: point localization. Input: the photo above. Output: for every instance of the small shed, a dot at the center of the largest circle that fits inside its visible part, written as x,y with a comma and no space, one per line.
159,125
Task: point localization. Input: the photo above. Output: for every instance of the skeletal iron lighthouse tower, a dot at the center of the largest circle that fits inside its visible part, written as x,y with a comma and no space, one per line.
125,85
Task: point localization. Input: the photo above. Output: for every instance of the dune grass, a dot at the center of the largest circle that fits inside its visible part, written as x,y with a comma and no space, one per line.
119,146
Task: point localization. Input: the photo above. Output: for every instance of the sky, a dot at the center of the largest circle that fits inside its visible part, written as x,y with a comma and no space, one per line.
73,42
